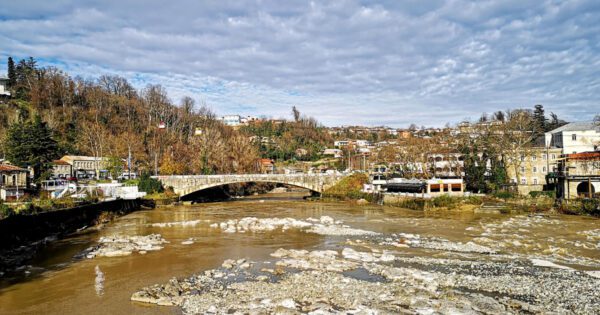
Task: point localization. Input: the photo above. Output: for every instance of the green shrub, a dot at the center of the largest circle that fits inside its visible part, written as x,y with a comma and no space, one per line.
410,203
535,194
505,194
150,185
6,211
591,206
444,201
349,188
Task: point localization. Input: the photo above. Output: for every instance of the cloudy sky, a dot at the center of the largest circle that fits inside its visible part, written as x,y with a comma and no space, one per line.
344,62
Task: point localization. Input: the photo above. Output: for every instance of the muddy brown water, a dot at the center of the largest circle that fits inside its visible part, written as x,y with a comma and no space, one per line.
57,282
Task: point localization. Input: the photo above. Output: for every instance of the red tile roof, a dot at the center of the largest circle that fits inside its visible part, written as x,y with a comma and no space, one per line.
584,156
8,168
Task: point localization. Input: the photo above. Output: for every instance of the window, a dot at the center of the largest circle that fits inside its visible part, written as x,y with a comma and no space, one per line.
533,157
544,157
535,169
523,181
574,137
522,158
522,169
554,156
544,170
535,181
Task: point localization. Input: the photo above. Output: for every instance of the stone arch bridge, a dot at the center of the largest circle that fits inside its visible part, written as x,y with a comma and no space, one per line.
187,184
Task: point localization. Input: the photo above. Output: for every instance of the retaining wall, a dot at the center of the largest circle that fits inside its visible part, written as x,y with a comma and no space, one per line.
20,230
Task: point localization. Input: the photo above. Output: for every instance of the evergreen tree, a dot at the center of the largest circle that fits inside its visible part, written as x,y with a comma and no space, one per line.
296,114
12,75
539,118
31,144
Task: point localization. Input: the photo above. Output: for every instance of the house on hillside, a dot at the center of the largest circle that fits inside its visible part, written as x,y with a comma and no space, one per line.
61,169
87,167
336,153
265,166
13,182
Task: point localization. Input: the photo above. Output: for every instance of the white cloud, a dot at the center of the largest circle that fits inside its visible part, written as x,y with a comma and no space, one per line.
344,62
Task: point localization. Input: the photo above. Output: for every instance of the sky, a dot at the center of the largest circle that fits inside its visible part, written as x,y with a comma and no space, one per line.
344,62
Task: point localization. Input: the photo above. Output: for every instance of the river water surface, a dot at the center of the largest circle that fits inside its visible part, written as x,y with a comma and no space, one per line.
58,282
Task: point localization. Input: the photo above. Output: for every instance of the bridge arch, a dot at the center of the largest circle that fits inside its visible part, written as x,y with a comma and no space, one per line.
183,197
186,184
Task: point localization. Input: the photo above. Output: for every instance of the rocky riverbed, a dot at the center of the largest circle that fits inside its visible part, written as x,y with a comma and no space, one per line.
375,278
120,245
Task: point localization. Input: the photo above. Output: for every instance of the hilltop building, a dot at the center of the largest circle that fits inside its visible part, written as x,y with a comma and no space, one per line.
575,137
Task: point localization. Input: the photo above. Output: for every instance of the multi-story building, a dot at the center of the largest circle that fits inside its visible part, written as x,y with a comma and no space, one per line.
532,168
85,167
575,137
446,165
13,182
61,169
579,175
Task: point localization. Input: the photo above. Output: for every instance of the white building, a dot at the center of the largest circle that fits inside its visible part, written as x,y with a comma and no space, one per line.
575,137
4,87
232,120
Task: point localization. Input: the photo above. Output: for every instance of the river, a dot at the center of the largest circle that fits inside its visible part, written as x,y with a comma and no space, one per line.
556,250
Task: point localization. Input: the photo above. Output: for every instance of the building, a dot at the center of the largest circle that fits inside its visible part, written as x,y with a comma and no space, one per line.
341,143
4,87
231,120
578,175
266,166
61,169
575,137
447,165
87,167
533,168
336,153
13,182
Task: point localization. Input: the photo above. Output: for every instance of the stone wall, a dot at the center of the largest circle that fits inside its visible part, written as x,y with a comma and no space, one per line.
19,230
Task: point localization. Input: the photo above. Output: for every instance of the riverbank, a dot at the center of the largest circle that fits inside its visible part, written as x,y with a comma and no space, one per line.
22,235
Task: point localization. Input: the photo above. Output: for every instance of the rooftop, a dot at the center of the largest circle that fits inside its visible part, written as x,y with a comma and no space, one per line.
9,168
72,158
577,126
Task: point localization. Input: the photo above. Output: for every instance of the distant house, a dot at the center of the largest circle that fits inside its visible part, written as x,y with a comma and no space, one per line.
265,166
301,152
61,169
13,182
87,167
232,120
341,143
336,153
4,87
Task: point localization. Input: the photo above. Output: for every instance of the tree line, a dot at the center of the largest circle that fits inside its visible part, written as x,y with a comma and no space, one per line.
108,117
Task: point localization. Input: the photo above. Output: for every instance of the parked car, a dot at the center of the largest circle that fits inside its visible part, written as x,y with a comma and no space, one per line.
126,176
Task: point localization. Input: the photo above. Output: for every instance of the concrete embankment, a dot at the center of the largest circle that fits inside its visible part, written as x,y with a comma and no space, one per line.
21,235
